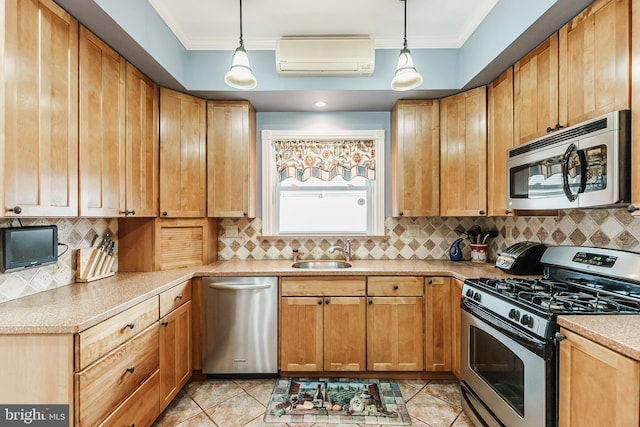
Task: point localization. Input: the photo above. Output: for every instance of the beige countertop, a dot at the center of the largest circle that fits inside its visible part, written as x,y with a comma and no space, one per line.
617,332
76,307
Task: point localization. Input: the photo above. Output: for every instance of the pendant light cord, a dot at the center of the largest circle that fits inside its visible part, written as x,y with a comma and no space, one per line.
405,22
241,44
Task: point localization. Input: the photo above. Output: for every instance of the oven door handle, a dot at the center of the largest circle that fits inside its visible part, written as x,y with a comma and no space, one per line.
531,343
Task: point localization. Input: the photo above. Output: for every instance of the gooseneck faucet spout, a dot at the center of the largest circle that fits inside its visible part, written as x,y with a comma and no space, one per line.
346,250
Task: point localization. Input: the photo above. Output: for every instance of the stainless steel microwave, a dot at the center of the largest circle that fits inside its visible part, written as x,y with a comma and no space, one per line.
585,165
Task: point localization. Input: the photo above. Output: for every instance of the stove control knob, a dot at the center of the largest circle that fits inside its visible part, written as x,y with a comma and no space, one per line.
470,293
527,320
477,296
514,314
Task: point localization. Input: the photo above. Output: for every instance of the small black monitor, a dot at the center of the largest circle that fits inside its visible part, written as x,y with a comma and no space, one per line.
24,247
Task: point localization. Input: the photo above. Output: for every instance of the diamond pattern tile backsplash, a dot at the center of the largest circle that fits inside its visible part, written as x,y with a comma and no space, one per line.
430,238
76,233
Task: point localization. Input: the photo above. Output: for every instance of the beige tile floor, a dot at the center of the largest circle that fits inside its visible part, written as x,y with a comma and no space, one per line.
237,403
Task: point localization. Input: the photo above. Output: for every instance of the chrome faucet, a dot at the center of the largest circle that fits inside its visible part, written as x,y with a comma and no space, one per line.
346,249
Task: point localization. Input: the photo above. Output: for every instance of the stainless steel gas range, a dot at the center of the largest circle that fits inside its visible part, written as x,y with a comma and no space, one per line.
509,335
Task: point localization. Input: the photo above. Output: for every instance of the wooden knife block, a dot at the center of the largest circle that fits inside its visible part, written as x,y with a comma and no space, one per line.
85,258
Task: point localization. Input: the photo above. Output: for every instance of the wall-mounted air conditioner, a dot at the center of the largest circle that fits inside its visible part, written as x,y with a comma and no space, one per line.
325,56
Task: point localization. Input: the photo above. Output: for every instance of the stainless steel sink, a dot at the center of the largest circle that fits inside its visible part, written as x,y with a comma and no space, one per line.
319,265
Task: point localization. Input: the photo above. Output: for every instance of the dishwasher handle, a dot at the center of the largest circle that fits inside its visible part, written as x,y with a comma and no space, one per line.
238,287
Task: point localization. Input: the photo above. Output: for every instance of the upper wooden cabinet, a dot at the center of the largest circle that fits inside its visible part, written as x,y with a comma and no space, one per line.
102,127
40,110
594,50
415,158
579,73
141,176
535,85
183,162
635,106
231,159
463,153
500,139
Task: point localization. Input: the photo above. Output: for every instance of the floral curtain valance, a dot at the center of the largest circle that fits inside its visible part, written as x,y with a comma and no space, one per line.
325,159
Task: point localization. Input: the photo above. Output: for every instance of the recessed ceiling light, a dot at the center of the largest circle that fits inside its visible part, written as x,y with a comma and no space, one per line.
321,103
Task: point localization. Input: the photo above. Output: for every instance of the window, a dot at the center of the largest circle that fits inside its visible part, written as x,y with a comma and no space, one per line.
323,183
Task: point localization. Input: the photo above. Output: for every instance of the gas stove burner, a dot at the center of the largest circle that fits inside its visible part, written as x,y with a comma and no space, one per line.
552,305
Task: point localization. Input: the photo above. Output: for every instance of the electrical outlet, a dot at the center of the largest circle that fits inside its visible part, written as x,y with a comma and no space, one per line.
413,230
231,231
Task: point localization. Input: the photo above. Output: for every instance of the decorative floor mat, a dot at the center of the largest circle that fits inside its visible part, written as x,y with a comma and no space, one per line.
337,401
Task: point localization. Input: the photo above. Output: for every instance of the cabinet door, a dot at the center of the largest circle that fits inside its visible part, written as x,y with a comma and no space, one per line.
415,158
535,85
500,139
175,353
301,341
183,161
345,334
141,176
463,153
394,334
594,62
231,159
102,121
635,106
40,108
597,386
437,321
456,296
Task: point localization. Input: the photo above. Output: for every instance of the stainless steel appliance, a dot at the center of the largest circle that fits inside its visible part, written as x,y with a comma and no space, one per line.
584,165
240,326
509,335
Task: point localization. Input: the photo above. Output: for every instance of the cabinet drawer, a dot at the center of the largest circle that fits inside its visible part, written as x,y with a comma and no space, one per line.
174,297
324,286
140,409
97,341
402,286
107,383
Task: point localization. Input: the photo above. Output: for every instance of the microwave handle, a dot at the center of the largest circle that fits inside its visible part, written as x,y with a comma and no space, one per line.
565,172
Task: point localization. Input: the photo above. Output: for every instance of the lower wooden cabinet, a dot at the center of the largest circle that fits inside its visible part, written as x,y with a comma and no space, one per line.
437,324
598,386
456,296
139,409
175,353
322,324
395,324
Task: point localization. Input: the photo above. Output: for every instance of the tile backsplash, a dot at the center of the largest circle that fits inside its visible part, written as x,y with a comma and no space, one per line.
430,237
76,233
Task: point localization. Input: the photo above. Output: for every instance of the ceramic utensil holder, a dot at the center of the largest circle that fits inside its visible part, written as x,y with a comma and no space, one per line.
478,252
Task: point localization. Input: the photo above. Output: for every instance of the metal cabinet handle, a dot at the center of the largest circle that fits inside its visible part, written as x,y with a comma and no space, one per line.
16,210
164,213
370,302
165,323
429,282
395,287
131,369
508,211
327,301
130,325
179,297
319,302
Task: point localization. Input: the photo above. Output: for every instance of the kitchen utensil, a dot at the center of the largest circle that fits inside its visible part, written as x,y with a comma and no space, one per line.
92,269
455,253
474,233
490,233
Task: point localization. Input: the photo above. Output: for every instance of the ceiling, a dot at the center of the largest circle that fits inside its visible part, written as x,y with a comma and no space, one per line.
214,25
209,30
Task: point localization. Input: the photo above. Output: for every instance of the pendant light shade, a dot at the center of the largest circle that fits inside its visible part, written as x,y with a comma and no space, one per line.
240,75
406,76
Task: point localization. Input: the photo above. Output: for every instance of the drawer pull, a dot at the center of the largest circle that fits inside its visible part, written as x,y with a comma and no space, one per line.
395,287
165,323
132,425
130,325
429,282
179,297
131,369
319,301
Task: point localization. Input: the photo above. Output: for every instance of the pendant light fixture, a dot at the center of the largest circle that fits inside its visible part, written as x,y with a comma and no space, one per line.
240,75
406,77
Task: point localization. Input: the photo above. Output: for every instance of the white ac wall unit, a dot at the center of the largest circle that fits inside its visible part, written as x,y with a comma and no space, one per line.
325,56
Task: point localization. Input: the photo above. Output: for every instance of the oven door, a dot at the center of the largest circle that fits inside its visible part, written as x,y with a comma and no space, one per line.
510,376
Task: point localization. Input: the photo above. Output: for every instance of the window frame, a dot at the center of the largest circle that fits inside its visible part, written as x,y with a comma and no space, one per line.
269,176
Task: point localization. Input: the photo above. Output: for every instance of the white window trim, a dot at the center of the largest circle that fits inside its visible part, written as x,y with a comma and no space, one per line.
269,172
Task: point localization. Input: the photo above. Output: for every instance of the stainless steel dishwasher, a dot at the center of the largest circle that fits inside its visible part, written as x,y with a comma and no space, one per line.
240,326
